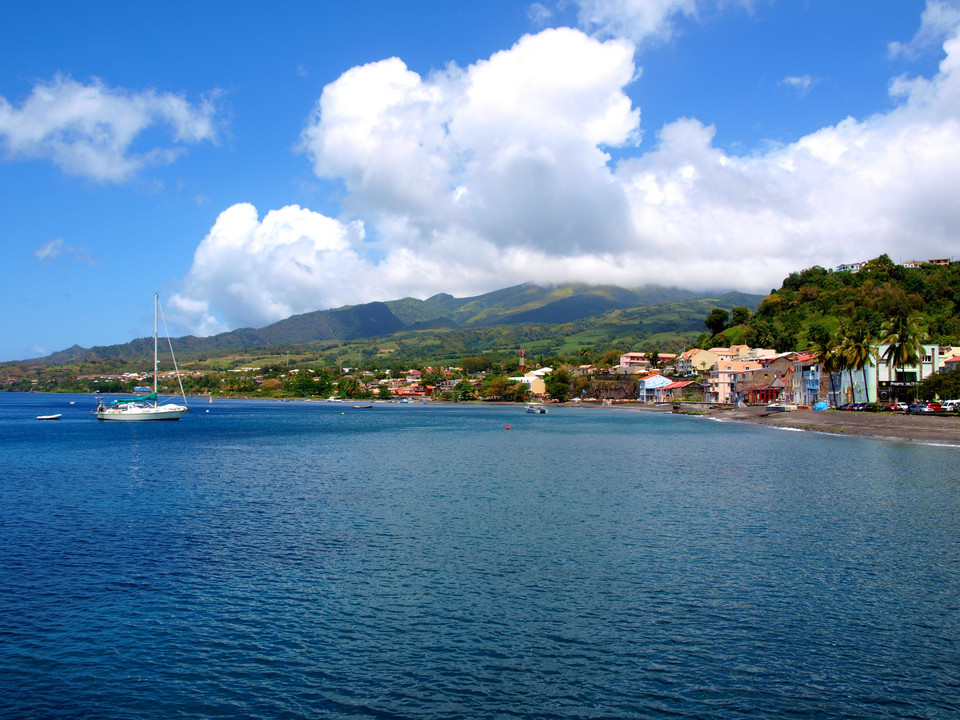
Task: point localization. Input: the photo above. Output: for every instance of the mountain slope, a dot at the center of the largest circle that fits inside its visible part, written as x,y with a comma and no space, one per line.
525,304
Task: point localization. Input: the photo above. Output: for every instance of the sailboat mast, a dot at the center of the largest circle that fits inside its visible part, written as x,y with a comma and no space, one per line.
156,299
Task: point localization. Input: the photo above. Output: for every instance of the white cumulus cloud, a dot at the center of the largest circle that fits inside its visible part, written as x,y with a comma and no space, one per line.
251,272
938,22
643,21
88,129
476,178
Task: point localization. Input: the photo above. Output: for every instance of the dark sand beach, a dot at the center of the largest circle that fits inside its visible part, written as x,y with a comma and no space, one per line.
923,428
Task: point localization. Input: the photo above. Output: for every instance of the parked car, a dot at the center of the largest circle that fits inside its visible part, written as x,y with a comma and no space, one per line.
934,407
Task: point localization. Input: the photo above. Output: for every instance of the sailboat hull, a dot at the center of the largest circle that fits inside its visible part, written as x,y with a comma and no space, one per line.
139,409
137,414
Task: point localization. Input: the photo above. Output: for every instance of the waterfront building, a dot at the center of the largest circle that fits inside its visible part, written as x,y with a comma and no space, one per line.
884,383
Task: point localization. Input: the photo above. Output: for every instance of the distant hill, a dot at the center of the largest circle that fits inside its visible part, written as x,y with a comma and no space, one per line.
658,308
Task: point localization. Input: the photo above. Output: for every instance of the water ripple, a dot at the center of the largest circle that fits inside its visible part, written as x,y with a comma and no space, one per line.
284,560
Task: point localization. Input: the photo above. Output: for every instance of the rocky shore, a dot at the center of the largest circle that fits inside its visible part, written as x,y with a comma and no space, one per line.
923,428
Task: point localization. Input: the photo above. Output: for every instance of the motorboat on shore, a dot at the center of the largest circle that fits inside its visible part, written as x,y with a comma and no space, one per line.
780,407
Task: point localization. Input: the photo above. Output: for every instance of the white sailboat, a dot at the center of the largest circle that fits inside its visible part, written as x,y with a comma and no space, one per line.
146,407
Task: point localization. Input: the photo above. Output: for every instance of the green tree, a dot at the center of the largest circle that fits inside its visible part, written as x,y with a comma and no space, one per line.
476,364
558,384
517,392
350,388
611,357
494,387
716,321
945,385
740,316
463,391
858,350
831,362
904,337
385,392
818,336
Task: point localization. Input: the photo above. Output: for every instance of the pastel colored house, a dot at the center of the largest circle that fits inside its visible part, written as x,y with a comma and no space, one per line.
648,384
723,381
634,362
886,384
696,361
534,380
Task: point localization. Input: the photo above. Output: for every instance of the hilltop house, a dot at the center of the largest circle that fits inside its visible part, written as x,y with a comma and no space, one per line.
634,362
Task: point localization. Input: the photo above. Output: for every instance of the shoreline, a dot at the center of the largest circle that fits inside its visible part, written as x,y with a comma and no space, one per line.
932,429
929,428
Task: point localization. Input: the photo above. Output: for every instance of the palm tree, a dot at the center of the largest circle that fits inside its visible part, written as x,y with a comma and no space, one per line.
830,362
904,335
858,350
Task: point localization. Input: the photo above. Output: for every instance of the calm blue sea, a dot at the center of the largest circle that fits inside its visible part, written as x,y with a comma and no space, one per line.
308,560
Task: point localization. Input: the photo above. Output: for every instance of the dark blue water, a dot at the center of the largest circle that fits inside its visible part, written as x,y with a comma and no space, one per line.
303,560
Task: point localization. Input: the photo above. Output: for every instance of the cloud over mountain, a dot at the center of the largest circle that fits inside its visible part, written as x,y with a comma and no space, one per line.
505,171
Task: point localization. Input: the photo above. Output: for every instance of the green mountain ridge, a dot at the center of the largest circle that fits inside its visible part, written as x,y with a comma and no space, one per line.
561,310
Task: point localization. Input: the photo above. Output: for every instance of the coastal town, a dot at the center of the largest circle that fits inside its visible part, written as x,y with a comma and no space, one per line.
719,376
886,357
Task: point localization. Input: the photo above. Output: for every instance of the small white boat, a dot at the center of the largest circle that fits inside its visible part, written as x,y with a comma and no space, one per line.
535,409
50,417
780,407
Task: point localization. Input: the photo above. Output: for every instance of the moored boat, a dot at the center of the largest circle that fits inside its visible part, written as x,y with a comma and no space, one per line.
145,407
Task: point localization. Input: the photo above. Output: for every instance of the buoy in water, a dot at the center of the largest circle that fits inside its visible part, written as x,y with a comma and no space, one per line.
508,427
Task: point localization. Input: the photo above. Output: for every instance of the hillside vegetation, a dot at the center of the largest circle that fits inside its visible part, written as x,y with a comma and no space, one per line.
814,303
554,321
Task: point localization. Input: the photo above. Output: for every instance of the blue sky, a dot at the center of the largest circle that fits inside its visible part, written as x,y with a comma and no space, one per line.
250,163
